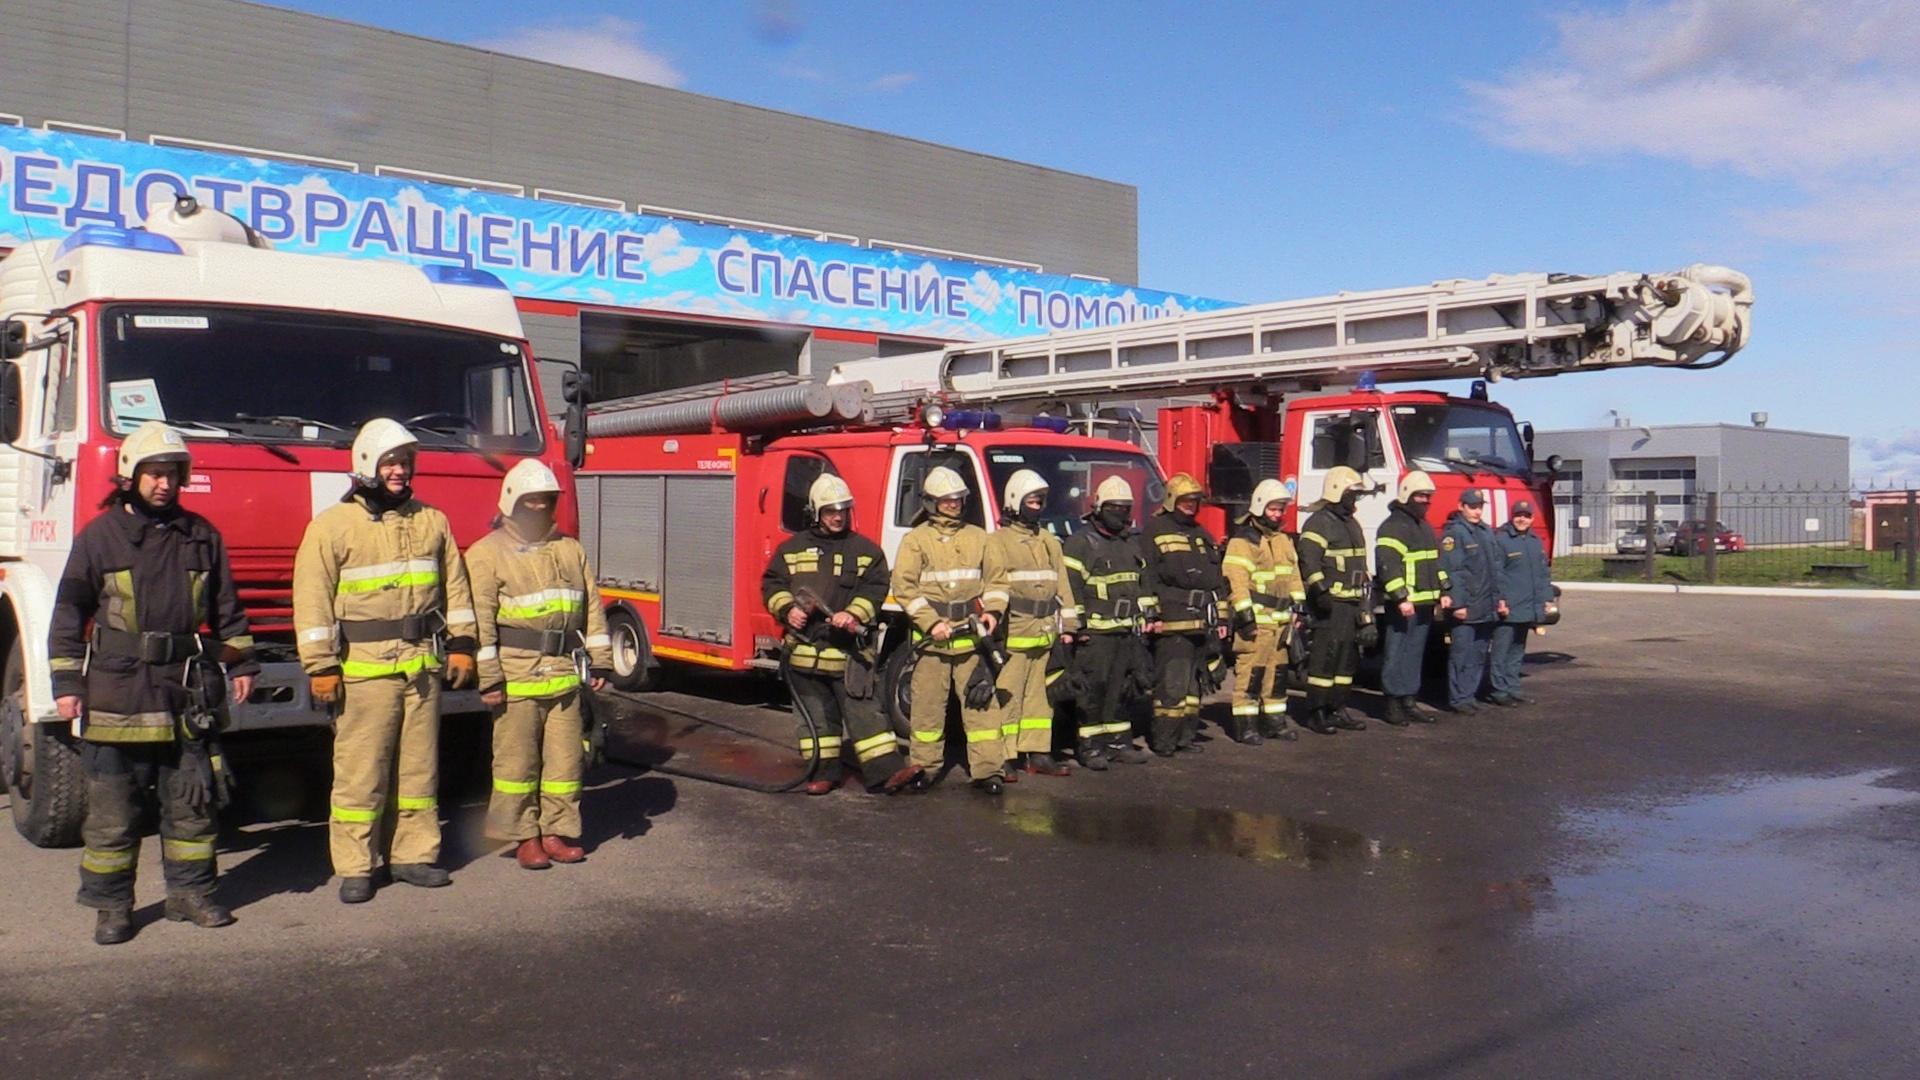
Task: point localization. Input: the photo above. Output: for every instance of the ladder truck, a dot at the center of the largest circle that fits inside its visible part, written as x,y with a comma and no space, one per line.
684,495
267,362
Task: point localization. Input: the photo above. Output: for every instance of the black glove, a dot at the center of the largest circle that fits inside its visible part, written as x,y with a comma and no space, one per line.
980,688
1244,622
201,779
1322,602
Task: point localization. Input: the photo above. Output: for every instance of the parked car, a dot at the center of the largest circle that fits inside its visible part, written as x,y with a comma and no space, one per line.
1634,540
1691,538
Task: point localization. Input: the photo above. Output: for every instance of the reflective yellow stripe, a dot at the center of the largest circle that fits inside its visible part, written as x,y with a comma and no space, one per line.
514,787
66,663
369,669
1238,560
1044,641
1315,681
341,813
778,602
391,581
186,850
1250,709
1395,585
1313,536
1390,542
1037,723
559,787
427,803
972,736
861,608
928,736
109,862
1009,729
1343,680
1245,604
1074,564
559,684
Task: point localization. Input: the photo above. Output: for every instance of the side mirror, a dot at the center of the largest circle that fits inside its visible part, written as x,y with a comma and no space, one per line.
13,339
1526,437
575,386
1554,461
10,403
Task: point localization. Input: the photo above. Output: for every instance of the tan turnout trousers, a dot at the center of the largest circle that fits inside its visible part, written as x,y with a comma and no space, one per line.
379,791
936,677
536,737
1021,708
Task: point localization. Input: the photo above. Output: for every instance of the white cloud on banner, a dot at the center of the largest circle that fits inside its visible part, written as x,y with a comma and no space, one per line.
609,45
1821,94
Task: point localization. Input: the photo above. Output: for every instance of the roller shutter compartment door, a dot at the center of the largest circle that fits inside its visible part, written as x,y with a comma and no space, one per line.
696,600
631,509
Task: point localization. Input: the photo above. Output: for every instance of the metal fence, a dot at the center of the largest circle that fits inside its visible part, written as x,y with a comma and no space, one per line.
1806,536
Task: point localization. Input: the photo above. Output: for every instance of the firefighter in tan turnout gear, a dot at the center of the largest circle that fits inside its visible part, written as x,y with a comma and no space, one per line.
1263,578
542,634
130,664
380,608
937,580
825,586
1026,576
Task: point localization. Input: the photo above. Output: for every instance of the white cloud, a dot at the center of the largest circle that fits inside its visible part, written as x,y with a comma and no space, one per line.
609,45
1823,95
1888,462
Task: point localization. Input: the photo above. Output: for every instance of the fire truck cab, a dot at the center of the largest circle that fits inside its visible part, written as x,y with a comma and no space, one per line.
267,362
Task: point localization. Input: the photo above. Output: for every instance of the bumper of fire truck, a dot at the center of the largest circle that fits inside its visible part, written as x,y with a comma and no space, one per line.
281,700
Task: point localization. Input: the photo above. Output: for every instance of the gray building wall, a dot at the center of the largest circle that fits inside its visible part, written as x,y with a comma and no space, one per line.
246,74
1771,481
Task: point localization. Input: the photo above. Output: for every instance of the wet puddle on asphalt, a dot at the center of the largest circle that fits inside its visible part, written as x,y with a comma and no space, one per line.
1738,855
665,739
1262,838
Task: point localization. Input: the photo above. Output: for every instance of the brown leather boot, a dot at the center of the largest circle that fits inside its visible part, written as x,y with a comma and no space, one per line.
560,851
901,779
531,856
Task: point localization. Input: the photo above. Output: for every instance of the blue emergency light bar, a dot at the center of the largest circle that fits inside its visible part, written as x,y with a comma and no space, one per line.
975,419
112,236
442,274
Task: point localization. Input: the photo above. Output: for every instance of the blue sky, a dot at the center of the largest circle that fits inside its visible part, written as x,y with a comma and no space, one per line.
1289,150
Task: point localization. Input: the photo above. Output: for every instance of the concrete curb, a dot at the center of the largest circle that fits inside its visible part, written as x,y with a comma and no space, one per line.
1738,590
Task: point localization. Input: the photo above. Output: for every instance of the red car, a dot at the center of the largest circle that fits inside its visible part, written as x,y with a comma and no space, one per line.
1691,538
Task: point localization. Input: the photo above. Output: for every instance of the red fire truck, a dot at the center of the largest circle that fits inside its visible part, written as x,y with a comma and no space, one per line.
684,495
268,362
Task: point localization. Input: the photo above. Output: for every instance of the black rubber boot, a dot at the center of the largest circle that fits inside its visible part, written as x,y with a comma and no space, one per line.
1394,714
1089,755
422,875
1128,754
1247,732
113,926
356,890
1412,711
198,909
992,785
1318,723
1344,718
1275,727
1044,764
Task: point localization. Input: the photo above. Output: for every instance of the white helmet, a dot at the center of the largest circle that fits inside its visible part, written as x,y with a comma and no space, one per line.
377,439
1020,485
1340,480
1113,489
943,483
152,441
528,477
1266,493
828,492
1414,483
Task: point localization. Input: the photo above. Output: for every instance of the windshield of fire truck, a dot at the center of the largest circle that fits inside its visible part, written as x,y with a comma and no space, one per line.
1460,438
1073,474
307,376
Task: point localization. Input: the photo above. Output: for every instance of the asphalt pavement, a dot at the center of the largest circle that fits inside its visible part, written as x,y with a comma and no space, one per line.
1692,855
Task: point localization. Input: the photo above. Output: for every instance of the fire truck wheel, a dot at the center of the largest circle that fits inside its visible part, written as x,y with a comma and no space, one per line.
634,669
46,783
896,690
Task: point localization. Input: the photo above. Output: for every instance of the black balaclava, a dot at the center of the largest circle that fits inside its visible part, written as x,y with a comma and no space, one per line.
379,499
1114,518
1418,506
1028,516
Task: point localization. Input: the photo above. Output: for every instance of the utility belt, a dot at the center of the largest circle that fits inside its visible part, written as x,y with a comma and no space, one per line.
957,611
150,647
545,642
1200,601
408,628
1268,600
1038,609
1121,614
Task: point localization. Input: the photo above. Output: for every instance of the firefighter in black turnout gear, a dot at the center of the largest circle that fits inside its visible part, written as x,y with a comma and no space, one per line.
1407,555
1333,560
1104,567
1183,569
825,586
130,664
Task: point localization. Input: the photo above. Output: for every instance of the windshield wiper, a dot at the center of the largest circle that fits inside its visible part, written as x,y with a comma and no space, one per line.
238,433
292,422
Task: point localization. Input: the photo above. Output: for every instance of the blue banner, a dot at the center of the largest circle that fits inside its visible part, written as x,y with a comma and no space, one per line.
52,183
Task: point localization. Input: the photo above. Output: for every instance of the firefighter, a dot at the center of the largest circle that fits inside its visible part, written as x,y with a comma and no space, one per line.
1407,556
381,611
825,587
538,614
1183,567
1333,558
1263,579
937,581
130,665
1026,576
1526,590
1473,596
1103,569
